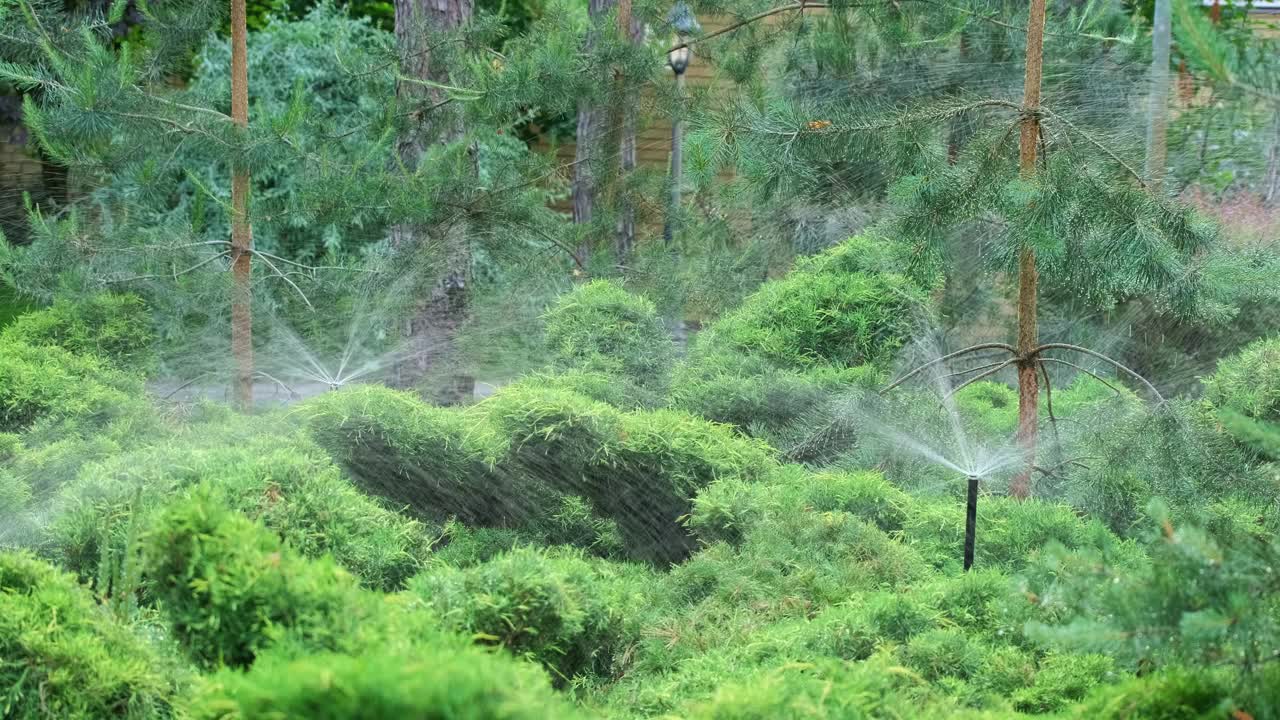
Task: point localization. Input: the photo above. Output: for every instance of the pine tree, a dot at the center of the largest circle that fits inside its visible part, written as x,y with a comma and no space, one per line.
433,330
1066,207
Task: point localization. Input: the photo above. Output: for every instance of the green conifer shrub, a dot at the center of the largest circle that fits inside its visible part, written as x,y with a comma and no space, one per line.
603,328
261,468
642,469
442,681
945,652
62,656
1249,382
436,462
573,615
54,385
826,690
829,310
1173,694
1063,679
1008,531
231,589
1196,598
727,509
113,327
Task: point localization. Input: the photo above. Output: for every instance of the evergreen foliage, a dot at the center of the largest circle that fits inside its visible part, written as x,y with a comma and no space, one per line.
116,328
574,616
279,479
442,681
66,658
603,328
231,589
50,384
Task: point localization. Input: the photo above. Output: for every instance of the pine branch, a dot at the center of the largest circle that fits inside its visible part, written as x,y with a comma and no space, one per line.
972,348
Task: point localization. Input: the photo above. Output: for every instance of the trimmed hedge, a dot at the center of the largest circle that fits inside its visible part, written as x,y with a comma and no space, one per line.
601,327
62,656
114,327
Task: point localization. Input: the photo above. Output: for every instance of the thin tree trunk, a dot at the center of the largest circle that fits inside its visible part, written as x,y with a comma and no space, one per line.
241,230
588,138
1272,192
1157,113
1028,277
437,318
623,127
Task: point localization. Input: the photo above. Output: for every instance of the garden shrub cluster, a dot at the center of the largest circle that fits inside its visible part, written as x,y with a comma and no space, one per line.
601,327
773,365
573,615
516,459
263,469
50,384
61,656
113,327
366,554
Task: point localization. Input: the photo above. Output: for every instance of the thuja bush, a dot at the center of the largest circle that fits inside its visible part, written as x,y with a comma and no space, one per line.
50,384
642,468
601,327
443,681
262,468
114,327
231,589
63,657
573,615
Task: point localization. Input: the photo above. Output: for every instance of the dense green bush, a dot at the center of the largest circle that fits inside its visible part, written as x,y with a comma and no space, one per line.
642,469
113,327
603,328
1061,680
1176,694
727,509
1198,597
573,615
437,462
51,384
1249,382
1008,531
441,682
262,468
827,690
829,310
62,656
231,589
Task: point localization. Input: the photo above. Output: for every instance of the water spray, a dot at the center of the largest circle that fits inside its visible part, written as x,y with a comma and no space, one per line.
970,521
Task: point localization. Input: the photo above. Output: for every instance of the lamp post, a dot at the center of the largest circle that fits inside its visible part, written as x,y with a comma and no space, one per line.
685,24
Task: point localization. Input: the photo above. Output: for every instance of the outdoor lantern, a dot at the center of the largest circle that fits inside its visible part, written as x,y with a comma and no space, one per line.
685,24
678,58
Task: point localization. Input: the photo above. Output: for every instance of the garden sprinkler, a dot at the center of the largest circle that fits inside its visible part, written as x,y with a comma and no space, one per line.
970,521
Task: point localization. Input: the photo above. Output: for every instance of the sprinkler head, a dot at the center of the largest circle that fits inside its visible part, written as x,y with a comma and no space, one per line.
334,385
